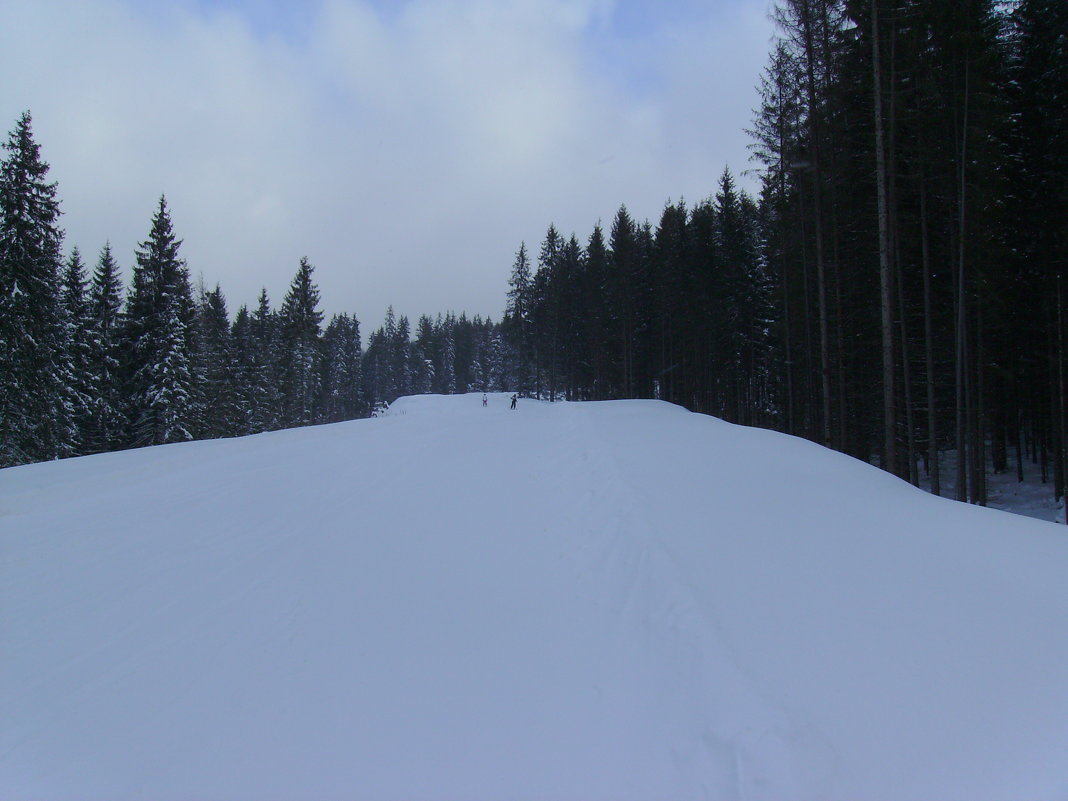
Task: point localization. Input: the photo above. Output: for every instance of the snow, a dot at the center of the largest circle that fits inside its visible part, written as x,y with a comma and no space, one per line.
1031,497
567,601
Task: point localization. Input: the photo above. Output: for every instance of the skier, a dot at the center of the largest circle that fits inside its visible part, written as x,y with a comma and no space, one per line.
484,402
514,399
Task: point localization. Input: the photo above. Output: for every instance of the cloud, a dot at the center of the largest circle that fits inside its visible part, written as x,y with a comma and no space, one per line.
405,149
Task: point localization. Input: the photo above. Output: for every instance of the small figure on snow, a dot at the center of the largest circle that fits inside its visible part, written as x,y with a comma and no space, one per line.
484,400
514,399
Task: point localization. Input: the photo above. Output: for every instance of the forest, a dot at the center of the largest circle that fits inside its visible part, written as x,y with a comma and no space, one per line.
894,288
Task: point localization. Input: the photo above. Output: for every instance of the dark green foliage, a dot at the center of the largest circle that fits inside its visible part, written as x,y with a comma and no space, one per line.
105,429
449,355
970,103
683,313
35,412
221,412
518,320
158,333
264,396
248,378
80,385
300,331
343,397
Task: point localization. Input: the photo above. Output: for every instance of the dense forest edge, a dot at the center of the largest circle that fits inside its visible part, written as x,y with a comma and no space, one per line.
894,289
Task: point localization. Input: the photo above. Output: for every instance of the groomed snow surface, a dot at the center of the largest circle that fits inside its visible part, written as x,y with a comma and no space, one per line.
569,601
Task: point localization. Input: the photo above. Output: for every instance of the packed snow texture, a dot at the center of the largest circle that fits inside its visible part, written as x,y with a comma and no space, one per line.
567,601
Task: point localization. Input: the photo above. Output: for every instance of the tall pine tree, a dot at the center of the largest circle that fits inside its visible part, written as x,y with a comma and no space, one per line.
107,419
159,313
301,351
35,418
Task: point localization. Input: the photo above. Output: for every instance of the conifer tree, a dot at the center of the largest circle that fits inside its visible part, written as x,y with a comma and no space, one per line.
388,363
107,420
350,372
35,419
331,404
598,317
402,352
157,323
424,355
80,387
624,286
342,357
266,393
674,295
216,368
246,378
301,351
518,317
545,313
497,374
447,336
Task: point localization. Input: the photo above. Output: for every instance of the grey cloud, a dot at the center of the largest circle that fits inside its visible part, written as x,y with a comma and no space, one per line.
406,156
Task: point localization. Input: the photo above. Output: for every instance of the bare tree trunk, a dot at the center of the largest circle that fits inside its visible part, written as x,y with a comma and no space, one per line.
841,434
963,399
898,278
1058,406
906,370
810,385
978,417
928,332
889,444
821,280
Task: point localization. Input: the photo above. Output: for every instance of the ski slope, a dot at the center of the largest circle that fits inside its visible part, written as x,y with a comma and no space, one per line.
570,601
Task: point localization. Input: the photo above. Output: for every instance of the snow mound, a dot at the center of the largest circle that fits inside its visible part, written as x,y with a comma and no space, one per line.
569,601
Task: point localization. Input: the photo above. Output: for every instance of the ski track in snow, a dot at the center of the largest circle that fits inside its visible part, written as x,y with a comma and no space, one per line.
569,601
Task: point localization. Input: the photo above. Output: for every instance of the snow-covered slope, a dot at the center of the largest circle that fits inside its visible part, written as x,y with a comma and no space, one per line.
569,601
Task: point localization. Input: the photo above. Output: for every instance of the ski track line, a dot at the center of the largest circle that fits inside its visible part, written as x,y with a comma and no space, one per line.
733,750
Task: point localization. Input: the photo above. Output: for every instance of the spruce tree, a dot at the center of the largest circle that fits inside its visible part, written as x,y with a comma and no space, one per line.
107,419
402,355
342,357
216,368
624,287
518,317
446,329
80,385
301,352
387,366
35,419
546,313
244,361
424,355
159,312
349,371
266,394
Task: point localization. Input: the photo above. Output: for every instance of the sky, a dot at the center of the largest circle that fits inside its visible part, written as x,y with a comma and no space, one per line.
405,148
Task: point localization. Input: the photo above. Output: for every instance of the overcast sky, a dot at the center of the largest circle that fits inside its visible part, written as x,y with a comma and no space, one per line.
406,147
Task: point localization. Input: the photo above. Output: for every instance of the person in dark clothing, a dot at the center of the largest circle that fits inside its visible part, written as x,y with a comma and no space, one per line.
514,399
484,400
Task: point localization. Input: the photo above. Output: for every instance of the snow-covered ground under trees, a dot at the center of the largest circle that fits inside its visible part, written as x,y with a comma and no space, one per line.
573,601
1005,491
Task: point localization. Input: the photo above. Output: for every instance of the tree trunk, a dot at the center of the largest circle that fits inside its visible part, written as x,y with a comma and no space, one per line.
821,279
889,445
928,332
961,309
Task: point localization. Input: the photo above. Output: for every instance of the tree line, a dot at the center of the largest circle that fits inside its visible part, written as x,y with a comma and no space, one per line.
894,290
88,366
897,287
914,184
681,312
